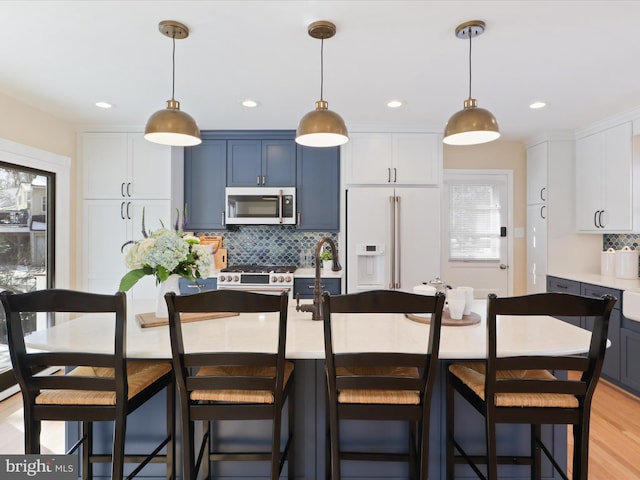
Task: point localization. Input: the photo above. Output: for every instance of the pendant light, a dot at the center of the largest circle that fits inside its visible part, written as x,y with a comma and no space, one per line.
472,125
322,127
171,126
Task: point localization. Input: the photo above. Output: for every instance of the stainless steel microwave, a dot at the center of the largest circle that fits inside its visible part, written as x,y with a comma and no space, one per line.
260,205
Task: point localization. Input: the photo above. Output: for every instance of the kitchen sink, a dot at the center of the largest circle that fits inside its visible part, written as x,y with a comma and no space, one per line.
631,304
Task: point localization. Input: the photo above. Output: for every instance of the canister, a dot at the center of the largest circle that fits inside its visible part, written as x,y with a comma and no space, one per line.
608,263
627,263
424,289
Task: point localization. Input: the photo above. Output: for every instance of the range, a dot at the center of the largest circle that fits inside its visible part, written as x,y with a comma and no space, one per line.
257,278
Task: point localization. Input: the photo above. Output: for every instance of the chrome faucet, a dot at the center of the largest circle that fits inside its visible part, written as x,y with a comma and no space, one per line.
316,307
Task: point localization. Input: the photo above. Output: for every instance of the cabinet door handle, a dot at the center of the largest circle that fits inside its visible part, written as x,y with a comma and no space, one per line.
542,208
264,180
399,232
600,219
388,175
392,257
542,191
595,218
222,218
129,189
128,211
395,174
122,210
298,222
122,189
564,287
258,180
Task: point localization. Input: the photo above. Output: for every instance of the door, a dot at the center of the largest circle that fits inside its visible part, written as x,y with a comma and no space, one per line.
477,231
27,206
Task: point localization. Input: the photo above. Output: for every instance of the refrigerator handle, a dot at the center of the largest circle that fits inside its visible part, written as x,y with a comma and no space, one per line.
392,253
399,232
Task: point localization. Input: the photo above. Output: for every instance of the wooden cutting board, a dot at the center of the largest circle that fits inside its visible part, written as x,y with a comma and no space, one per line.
220,258
149,319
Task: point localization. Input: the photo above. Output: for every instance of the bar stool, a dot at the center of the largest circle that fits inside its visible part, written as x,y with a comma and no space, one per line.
381,385
100,387
233,385
523,390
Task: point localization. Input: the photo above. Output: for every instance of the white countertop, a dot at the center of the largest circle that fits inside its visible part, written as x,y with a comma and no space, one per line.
525,335
602,280
299,273
311,273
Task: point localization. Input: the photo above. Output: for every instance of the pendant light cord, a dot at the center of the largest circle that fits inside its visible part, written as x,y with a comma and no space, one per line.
470,35
173,72
321,67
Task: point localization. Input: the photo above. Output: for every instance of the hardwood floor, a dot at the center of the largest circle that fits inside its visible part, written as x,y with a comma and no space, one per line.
614,443
614,446
12,430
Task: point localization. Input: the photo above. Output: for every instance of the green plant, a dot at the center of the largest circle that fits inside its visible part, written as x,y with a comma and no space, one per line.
326,255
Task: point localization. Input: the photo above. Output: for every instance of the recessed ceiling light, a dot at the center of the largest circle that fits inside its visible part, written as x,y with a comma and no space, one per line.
250,103
395,103
536,105
103,104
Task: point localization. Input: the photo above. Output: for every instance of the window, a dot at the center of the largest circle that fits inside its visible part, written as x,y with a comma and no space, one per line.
474,221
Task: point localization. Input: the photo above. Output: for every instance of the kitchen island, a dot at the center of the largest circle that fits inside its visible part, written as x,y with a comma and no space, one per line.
532,335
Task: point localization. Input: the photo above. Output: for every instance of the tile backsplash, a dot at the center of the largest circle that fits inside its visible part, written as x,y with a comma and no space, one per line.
269,244
620,240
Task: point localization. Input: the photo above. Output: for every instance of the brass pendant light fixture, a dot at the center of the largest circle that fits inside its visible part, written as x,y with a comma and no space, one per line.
171,126
322,127
472,125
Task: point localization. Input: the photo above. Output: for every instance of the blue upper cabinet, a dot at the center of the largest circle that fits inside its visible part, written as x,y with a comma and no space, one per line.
205,173
318,191
259,163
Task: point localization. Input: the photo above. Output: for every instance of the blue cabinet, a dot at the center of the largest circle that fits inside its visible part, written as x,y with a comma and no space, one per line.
304,286
201,285
615,355
318,192
258,163
205,173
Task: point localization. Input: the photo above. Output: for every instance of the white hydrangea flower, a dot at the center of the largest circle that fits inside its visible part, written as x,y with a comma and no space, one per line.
203,260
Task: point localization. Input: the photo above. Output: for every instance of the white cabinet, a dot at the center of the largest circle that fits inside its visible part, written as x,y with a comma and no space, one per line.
125,165
537,173
605,190
536,248
553,245
393,158
123,175
108,225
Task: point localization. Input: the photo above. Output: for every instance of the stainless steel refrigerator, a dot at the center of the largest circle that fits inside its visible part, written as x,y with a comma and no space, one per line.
392,236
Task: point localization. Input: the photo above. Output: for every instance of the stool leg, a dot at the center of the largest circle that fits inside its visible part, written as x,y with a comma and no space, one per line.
536,464
87,450
492,455
31,432
424,448
581,449
171,431
450,429
119,432
291,460
275,444
412,450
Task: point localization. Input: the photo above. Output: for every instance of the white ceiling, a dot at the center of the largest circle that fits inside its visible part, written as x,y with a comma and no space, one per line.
581,57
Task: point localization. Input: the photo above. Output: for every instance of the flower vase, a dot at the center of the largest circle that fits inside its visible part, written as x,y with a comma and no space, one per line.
171,284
